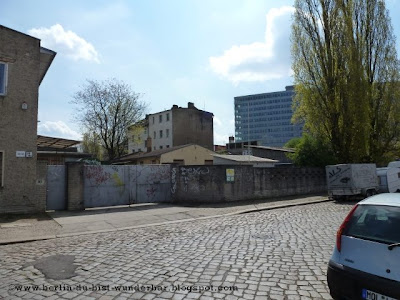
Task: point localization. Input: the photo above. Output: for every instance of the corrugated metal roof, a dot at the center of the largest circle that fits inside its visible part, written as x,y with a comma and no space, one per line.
274,148
59,143
245,158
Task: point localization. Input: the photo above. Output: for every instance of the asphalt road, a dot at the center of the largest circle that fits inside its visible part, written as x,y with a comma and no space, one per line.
275,254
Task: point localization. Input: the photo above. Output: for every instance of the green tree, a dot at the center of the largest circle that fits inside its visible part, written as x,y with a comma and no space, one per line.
91,143
347,76
310,151
106,109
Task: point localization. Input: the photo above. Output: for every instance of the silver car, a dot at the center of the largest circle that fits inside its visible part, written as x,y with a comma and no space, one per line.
365,263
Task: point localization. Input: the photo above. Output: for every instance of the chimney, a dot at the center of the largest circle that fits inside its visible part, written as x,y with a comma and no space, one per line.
191,105
174,106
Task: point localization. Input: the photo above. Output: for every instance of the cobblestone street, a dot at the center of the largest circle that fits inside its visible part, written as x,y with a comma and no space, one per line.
275,254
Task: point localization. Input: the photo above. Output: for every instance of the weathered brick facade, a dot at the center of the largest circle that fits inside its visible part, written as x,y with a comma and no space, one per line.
27,64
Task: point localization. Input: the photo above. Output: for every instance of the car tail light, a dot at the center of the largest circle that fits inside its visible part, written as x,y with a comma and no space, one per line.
343,227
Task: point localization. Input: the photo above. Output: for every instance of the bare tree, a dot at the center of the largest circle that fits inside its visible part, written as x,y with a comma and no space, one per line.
106,109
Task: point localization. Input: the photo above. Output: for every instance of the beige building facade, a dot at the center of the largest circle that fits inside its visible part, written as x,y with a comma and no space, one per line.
23,65
182,155
170,128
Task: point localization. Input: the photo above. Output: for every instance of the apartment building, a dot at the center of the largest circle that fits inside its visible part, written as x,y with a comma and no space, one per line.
174,127
266,118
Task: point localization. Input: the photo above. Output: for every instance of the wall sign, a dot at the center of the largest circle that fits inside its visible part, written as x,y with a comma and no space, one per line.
230,175
20,154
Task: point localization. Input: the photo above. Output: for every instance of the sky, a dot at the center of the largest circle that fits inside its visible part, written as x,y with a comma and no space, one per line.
170,51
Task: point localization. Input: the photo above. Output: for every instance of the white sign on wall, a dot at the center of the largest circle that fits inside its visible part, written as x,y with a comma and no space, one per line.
20,154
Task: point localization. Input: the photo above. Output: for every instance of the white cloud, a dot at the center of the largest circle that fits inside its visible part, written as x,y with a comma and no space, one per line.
217,121
65,42
220,139
260,61
58,129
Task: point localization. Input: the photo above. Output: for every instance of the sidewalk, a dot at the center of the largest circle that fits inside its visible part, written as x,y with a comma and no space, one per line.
16,229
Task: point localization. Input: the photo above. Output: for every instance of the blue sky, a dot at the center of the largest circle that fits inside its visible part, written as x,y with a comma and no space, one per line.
173,52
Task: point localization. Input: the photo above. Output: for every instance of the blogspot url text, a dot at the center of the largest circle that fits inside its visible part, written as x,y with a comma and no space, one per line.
122,288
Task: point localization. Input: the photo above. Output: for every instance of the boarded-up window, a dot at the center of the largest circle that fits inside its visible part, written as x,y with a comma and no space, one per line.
1,168
179,161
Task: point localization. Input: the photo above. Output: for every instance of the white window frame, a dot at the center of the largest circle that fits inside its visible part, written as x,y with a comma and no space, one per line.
2,168
4,87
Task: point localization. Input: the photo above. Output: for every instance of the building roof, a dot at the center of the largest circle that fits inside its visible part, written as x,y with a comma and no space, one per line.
141,123
175,107
246,158
154,153
289,88
274,148
46,58
46,55
53,142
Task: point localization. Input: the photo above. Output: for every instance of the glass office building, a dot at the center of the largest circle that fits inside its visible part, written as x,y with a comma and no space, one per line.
266,118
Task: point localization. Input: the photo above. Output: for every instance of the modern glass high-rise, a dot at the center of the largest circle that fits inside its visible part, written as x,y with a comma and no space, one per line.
266,118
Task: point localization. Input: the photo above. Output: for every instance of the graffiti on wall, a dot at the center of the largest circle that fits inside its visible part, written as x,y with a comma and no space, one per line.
191,178
173,180
97,174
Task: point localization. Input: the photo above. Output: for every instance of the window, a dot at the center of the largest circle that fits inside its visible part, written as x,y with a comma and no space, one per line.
167,132
153,119
160,118
167,146
3,79
160,134
167,116
154,135
1,168
376,223
161,147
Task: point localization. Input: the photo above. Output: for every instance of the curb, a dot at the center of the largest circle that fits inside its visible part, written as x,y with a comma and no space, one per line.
240,212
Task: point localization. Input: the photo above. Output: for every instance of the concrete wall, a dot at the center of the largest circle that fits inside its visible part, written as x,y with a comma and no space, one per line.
192,126
208,184
18,128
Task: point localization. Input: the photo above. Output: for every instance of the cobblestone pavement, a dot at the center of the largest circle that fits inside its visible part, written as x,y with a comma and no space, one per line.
276,254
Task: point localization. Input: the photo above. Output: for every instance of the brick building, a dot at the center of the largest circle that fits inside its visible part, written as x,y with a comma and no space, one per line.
174,127
23,65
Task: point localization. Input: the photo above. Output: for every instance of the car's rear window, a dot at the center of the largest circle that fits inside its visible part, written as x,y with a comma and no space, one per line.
376,223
